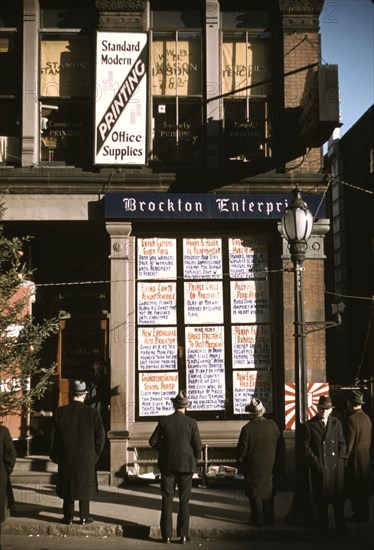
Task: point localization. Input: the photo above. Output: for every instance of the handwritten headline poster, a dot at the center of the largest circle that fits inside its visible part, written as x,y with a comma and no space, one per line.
203,302
155,393
157,258
157,303
248,384
205,360
247,258
202,258
251,346
157,348
249,301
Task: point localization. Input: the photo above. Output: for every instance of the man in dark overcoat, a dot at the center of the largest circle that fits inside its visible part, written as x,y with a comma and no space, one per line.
8,457
177,440
357,473
78,439
255,453
325,453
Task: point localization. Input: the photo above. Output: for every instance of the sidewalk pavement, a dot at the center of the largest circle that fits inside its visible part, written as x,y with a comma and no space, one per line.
217,511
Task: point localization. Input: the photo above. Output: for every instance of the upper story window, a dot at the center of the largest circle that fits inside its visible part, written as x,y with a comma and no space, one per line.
10,81
177,84
246,85
66,82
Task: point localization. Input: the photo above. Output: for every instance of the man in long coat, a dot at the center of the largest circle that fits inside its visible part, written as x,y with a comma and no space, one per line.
255,453
7,461
325,453
177,440
357,473
78,439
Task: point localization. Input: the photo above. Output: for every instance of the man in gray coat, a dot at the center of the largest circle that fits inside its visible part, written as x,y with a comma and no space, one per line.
255,453
325,453
78,439
177,440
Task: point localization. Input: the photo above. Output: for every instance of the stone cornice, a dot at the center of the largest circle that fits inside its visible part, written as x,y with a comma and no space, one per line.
128,6
301,15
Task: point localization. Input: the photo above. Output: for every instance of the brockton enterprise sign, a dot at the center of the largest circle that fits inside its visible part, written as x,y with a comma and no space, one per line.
222,206
121,98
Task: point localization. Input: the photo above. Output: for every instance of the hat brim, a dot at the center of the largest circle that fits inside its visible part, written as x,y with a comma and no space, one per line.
180,404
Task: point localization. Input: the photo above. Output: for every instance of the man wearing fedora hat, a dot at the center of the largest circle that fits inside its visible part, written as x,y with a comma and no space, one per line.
357,473
78,439
325,452
177,440
255,452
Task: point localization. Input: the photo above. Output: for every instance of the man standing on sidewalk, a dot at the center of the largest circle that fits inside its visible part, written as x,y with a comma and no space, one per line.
177,440
325,453
8,457
255,452
78,439
357,472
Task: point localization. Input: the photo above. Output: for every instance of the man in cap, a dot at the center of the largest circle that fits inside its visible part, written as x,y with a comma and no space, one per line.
357,473
255,452
325,453
78,439
177,440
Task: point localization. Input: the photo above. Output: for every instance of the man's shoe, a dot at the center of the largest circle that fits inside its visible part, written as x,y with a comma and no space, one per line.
85,521
67,521
166,540
184,540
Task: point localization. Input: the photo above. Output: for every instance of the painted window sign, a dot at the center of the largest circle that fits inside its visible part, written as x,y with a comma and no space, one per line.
157,303
247,384
205,360
203,323
251,346
155,393
225,206
203,302
249,301
157,348
121,98
247,259
202,258
157,258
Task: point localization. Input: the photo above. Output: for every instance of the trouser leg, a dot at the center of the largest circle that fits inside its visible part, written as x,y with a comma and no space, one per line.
339,516
256,510
167,493
268,510
68,509
323,516
84,509
184,482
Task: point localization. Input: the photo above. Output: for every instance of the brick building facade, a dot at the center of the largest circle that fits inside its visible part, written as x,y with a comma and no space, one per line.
154,151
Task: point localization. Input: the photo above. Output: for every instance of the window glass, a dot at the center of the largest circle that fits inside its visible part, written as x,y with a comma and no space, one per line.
203,323
10,80
65,66
10,13
65,126
65,83
247,89
187,15
177,96
254,19
176,64
67,14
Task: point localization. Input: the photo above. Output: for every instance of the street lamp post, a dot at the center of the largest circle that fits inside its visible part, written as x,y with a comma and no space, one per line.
297,225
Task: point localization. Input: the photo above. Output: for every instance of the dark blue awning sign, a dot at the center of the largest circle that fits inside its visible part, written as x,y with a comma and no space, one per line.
222,206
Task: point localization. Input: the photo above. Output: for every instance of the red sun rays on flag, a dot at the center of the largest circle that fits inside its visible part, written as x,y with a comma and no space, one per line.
314,390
